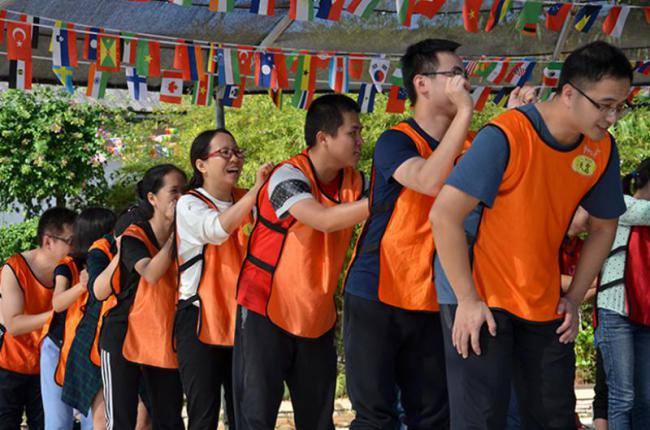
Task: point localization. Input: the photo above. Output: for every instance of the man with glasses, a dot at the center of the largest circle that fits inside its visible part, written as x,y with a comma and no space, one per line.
505,320
26,288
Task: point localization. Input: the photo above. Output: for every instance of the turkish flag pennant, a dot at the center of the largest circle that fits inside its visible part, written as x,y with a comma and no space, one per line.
19,40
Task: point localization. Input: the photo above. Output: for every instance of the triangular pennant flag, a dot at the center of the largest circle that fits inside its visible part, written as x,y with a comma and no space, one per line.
108,53
556,15
171,86
497,13
529,17
221,5
20,74
339,74
64,74
330,9
428,8
63,45
148,58
405,11
379,71
615,21
396,100
586,17
480,96
301,10
366,100
204,91
97,82
471,10
551,75
137,84
362,8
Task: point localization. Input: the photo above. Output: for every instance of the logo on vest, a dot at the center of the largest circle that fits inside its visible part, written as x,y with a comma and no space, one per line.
586,166
247,229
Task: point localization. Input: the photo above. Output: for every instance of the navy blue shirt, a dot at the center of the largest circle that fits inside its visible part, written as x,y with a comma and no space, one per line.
489,156
392,149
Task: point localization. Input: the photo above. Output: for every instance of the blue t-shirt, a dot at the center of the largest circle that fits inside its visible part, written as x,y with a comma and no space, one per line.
392,149
489,155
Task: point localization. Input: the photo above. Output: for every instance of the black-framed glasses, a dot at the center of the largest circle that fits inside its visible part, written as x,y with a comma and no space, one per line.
456,71
66,240
619,110
227,153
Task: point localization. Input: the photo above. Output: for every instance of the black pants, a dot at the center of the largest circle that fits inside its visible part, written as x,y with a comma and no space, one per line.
601,392
265,357
528,355
20,393
121,380
204,370
387,349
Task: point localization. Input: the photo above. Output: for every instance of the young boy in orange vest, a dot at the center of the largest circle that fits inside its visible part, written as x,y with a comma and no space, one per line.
287,315
505,318
26,288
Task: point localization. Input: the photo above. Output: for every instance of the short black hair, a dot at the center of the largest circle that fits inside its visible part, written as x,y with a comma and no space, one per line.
326,114
593,62
423,57
53,222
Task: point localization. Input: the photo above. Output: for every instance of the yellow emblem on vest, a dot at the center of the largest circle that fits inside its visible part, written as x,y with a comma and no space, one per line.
584,165
247,229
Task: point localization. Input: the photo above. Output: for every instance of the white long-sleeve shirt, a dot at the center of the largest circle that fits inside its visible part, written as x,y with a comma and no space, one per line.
197,225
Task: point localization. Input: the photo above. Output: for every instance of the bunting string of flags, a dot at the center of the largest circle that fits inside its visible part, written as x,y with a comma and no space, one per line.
229,66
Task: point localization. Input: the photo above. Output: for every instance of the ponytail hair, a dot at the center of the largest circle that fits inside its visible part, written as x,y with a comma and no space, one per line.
638,178
199,151
152,181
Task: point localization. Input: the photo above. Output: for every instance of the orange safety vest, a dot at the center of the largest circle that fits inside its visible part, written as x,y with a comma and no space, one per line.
73,316
21,354
108,304
406,248
217,288
295,267
151,318
516,263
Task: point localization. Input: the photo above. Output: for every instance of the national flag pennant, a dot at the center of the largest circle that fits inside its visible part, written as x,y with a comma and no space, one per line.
520,73
137,84
90,44
551,75
147,61
213,60
233,95
228,66
322,60
366,100
171,87
615,21
480,96
471,10
330,9
97,82
245,54
396,99
546,94
528,18
19,40
646,11
502,97
3,17
270,70
263,7
497,13
188,58
301,10
405,11
185,3
108,53
221,5
305,79
204,91
276,97
379,71
556,15
634,91
470,67
34,22
397,78
428,8
339,74
356,66
362,8
498,72
64,74
128,47
643,67
586,17
20,74
63,45
302,99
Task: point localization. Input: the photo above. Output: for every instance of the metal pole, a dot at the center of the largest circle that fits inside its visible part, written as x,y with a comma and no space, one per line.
220,114
564,34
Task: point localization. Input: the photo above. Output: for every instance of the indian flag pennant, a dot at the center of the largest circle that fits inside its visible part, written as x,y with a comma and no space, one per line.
97,81
222,5
228,66
301,10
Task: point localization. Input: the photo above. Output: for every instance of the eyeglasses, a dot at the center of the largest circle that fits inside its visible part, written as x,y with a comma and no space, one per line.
456,71
66,240
227,153
619,110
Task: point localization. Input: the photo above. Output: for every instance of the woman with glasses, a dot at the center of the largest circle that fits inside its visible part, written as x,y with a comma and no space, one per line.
213,222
